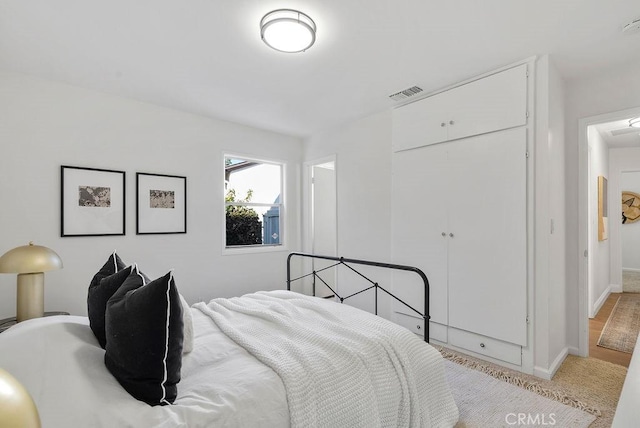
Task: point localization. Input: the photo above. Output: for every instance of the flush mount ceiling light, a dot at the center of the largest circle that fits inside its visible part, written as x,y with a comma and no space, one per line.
288,30
632,28
635,123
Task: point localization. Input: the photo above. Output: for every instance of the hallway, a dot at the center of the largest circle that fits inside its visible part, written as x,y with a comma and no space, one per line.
595,328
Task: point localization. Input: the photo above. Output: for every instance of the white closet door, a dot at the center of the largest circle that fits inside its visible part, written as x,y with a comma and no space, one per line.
421,123
495,102
419,218
487,217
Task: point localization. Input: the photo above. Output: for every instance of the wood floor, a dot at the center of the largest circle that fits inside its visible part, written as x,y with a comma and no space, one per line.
595,328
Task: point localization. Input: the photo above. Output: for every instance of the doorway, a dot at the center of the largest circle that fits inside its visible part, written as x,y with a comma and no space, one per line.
323,224
630,230
606,149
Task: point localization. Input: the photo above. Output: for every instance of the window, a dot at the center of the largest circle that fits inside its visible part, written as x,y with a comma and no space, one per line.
253,202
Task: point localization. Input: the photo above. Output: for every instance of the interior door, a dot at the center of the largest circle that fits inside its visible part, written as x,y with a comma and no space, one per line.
419,219
324,223
487,249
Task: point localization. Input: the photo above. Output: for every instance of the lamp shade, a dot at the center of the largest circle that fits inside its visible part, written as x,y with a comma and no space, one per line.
30,259
17,408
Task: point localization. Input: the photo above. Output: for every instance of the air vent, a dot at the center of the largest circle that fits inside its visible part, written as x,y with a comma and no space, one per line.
624,131
406,93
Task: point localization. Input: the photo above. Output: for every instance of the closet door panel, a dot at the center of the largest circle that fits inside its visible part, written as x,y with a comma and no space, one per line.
419,218
420,123
489,104
487,217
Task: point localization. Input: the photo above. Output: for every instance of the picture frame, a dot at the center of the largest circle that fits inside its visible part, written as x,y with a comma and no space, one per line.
92,201
630,207
161,204
603,210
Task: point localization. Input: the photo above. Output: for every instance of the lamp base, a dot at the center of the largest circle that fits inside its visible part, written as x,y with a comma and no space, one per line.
30,301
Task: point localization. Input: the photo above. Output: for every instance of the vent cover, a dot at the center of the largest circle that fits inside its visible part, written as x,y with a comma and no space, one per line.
405,93
623,131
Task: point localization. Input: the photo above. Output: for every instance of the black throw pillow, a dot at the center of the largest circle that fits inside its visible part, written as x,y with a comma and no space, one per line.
144,332
98,295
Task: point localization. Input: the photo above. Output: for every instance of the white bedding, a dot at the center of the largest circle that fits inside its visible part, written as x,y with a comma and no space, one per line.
340,366
61,364
59,361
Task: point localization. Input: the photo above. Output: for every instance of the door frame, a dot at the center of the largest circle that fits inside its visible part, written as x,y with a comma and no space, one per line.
308,211
583,219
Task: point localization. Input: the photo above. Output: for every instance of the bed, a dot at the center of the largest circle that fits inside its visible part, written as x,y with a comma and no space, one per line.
266,359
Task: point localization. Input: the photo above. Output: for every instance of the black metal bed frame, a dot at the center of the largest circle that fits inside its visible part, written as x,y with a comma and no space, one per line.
346,262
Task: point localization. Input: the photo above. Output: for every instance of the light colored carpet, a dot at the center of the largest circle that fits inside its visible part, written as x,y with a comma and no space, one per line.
586,383
622,328
484,401
630,281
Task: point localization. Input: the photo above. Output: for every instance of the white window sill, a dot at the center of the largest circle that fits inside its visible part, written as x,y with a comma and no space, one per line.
253,249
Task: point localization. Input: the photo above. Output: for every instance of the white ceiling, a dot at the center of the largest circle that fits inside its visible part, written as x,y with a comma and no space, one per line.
206,56
619,134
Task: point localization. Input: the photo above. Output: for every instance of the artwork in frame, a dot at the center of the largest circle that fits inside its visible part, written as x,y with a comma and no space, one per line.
630,207
92,201
603,214
161,202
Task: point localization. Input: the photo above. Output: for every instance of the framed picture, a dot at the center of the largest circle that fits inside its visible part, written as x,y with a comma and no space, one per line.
603,211
92,201
630,207
161,202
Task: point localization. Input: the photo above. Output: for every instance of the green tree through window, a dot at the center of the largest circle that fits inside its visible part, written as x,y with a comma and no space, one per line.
243,223
253,202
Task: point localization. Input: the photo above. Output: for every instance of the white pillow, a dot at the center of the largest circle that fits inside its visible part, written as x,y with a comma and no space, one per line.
187,320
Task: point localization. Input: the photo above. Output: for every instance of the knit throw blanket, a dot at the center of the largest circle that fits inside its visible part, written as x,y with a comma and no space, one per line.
341,367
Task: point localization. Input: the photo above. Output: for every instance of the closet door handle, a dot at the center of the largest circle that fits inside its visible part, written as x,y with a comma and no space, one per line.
444,234
443,124
451,235
451,122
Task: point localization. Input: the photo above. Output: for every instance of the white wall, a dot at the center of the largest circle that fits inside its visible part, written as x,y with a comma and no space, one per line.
630,232
600,250
616,90
363,150
557,213
44,125
549,287
363,168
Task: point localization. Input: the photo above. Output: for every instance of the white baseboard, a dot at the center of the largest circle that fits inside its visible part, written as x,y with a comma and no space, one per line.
596,307
615,288
558,361
631,269
555,365
576,351
541,373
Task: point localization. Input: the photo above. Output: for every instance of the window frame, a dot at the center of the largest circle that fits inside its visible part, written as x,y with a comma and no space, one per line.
257,248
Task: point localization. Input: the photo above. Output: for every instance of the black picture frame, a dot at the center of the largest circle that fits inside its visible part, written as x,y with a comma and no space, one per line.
92,202
161,204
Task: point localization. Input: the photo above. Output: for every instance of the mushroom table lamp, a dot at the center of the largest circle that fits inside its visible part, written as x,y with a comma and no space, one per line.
17,409
29,262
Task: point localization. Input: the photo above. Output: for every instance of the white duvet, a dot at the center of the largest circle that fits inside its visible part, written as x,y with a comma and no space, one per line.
340,366
61,364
